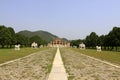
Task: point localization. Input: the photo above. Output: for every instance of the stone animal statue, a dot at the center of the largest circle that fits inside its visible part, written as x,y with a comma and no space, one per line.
34,45
98,48
17,47
82,46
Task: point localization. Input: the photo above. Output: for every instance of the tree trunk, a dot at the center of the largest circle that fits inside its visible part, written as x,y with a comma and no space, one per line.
116,48
112,47
2,46
10,46
108,48
105,47
7,46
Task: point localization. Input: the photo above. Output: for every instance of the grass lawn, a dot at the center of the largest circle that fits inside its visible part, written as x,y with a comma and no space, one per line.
113,57
10,54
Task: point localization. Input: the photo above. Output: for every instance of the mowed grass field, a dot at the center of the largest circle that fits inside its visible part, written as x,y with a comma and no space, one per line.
10,54
110,56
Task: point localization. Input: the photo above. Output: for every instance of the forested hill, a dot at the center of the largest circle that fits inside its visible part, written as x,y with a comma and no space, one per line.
43,34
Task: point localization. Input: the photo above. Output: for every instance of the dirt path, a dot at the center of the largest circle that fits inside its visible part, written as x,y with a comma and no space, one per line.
35,67
80,67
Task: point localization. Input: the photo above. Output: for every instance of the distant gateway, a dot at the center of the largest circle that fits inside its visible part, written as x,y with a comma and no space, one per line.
59,43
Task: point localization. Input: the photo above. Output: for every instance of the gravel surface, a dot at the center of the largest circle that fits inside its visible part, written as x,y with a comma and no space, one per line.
34,67
80,67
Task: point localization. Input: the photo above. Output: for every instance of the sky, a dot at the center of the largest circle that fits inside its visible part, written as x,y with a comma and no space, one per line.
71,19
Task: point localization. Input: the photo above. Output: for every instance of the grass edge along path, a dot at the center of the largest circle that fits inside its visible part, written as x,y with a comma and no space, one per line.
109,56
51,64
58,70
35,66
64,63
7,55
80,67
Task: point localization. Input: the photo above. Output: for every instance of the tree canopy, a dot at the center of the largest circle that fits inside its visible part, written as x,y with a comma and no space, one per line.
8,37
109,41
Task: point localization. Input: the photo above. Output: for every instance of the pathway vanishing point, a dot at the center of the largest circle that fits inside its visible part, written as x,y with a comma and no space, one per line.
58,71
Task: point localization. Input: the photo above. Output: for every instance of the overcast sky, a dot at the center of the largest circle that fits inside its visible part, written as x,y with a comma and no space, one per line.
72,19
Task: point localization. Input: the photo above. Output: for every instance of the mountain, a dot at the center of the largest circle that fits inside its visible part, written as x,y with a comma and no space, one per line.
64,39
43,34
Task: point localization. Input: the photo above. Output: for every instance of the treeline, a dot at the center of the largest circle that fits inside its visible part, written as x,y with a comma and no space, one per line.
111,41
8,38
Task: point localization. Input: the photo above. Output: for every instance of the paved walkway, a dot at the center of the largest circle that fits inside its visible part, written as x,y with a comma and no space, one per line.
32,67
58,71
83,67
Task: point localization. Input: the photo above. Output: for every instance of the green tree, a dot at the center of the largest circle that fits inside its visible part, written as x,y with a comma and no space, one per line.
100,40
76,42
36,39
43,42
12,40
5,36
91,40
21,39
114,38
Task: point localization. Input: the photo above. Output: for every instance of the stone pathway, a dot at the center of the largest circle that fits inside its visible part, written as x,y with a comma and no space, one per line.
78,67
32,67
58,71
82,67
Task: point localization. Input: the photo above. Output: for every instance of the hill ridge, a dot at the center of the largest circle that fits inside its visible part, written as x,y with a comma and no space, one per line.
45,35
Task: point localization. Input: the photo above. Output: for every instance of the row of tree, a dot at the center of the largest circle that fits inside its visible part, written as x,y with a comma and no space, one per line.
108,42
8,38
111,41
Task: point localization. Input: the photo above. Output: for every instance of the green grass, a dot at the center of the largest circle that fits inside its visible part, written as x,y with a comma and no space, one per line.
113,57
51,64
49,67
10,54
71,77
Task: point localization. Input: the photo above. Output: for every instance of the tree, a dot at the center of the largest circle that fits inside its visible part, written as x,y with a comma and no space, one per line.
21,39
12,40
91,40
43,42
36,39
76,42
5,36
114,38
100,40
